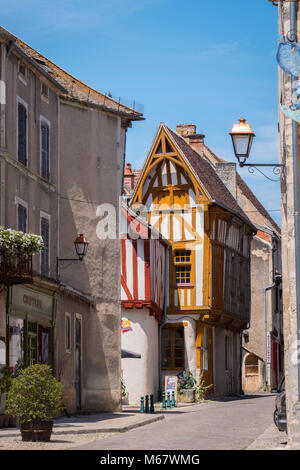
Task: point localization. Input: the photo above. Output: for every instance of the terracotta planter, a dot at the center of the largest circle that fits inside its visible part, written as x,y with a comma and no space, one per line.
36,431
187,396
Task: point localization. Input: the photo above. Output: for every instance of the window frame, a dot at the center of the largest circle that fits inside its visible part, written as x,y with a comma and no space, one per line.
173,328
20,101
21,202
22,77
46,96
183,264
43,121
68,317
45,216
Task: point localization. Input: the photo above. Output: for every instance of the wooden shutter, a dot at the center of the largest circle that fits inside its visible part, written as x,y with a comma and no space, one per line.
22,136
45,151
22,218
45,251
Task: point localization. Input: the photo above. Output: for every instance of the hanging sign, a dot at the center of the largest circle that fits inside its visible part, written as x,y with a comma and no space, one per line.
171,385
288,58
294,115
125,326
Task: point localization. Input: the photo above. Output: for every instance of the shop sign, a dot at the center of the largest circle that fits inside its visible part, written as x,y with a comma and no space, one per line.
125,326
171,385
24,300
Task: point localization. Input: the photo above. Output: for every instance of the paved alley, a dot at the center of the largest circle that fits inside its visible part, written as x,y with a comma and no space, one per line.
214,425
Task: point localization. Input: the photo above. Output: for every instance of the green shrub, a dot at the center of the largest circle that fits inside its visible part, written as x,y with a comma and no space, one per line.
34,395
185,381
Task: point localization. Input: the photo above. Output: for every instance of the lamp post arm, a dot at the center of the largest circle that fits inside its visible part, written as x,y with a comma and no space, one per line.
58,260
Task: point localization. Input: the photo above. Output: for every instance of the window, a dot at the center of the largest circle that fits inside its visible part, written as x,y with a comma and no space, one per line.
22,134
173,348
68,331
182,261
22,218
204,350
45,150
22,69
45,252
45,90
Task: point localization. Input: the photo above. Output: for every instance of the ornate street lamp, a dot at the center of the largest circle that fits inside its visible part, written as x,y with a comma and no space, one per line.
242,138
81,246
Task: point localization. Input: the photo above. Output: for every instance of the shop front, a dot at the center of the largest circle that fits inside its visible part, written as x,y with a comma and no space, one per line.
30,316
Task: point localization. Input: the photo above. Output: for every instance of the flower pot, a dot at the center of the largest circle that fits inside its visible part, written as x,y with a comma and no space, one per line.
187,396
36,431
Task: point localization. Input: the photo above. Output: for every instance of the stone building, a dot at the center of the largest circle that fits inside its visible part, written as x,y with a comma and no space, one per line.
62,149
288,95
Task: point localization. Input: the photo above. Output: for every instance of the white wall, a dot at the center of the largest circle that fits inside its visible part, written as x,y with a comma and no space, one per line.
190,331
141,376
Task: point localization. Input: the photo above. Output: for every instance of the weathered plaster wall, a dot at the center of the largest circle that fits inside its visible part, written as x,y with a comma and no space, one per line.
141,376
92,147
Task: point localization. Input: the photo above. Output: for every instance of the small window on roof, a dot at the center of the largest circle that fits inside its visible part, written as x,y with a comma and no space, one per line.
22,69
45,90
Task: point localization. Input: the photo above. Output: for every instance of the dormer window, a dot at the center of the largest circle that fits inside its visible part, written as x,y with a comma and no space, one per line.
45,90
22,72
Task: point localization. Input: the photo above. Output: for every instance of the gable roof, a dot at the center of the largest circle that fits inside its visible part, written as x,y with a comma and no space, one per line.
203,171
207,176
246,191
70,87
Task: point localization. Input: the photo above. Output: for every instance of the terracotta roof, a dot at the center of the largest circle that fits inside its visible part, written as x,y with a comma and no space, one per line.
71,88
244,188
207,176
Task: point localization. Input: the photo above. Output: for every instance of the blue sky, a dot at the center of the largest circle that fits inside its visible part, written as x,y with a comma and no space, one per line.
201,62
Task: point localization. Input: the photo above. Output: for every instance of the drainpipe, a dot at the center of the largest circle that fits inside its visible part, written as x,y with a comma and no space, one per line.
293,29
266,331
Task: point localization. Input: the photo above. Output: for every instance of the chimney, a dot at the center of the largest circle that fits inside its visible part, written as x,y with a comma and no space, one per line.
227,173
188,131
129,176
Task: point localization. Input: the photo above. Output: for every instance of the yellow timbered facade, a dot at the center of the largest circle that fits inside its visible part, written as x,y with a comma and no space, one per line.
180,194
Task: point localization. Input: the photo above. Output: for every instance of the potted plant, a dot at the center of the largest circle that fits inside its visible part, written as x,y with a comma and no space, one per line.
34,398
186,387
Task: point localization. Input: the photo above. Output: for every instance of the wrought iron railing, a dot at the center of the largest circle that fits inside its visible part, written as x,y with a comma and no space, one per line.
15,268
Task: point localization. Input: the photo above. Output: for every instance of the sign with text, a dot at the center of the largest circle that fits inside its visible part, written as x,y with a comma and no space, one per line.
25,300
171,385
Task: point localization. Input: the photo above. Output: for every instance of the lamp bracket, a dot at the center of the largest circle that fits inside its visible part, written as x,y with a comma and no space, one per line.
62,260
276,169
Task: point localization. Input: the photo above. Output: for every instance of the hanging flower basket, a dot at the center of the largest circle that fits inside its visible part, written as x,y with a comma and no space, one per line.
16,250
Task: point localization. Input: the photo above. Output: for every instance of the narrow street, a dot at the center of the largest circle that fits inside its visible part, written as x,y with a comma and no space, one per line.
213,425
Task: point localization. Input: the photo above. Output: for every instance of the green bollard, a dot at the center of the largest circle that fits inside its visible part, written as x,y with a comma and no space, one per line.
173,404
147,404
164,400
168,401
152,404
142,408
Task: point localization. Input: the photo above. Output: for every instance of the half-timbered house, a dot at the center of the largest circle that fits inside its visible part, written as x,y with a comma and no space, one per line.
143,276
208,298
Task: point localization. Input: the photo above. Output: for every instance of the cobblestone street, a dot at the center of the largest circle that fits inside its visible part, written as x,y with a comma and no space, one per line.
214,425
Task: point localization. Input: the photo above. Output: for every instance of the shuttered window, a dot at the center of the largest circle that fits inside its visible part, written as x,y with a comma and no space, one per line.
45,251
45,150
22,134
22,218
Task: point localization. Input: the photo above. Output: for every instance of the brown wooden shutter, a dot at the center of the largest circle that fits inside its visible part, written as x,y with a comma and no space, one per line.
45,143
45,251
22,137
